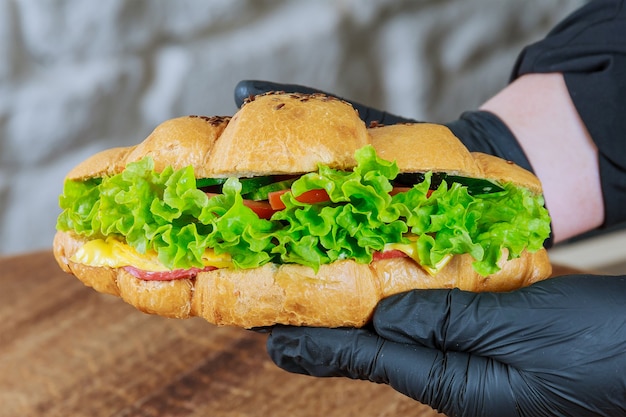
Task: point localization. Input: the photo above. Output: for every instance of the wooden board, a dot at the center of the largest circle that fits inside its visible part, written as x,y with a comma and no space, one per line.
66,350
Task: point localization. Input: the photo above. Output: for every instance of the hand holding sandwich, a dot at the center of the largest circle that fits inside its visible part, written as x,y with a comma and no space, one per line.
553,349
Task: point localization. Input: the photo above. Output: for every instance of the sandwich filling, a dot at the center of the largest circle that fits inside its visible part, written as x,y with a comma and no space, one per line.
161,222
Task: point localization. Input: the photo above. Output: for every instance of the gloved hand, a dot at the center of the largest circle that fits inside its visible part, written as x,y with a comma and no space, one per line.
478,130
556,348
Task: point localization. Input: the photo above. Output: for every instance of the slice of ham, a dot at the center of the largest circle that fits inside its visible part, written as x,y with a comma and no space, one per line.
388,254
192,272
166,275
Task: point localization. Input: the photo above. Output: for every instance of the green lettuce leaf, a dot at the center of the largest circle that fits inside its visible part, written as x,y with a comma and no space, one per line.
165,212
356,222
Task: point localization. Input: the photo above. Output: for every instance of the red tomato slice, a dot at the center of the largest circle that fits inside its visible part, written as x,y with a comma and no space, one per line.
389,254
274,199
261,208
398,190
166,275
313,196
309,197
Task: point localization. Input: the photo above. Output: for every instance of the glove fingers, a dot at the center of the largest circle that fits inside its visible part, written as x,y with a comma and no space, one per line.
487,324
352,353
248,88
323,352
453,383
512,327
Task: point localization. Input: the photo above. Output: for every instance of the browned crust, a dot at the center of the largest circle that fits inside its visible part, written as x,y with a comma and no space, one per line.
420,147
294,133
344,293
178,143
103,164
506,171
289,133
181,142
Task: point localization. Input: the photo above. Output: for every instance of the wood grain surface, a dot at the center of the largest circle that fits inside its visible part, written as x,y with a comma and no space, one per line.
66,350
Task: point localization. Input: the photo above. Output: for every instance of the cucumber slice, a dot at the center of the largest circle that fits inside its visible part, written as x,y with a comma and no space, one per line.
249,185
475,186
209,182
263,192
409,179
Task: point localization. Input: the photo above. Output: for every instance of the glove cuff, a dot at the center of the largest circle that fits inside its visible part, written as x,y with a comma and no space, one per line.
482,131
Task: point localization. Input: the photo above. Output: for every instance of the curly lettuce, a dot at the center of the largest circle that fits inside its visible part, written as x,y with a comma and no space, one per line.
165,212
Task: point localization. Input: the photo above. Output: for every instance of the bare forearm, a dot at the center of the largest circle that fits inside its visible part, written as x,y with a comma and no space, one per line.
538,110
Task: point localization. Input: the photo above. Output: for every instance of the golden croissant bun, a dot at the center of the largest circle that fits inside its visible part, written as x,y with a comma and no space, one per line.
289,134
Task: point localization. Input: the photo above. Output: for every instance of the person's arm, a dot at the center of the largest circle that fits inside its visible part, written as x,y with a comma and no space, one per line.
538,110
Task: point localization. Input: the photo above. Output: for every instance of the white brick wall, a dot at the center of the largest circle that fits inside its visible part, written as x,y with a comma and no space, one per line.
77,77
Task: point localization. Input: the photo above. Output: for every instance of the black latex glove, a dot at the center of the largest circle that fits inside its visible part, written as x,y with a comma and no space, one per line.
478,130
557,348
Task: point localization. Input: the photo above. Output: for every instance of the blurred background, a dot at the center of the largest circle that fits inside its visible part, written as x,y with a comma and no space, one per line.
78,77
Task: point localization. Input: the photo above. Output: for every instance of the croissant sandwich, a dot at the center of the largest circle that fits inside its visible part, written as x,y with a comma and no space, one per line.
293,211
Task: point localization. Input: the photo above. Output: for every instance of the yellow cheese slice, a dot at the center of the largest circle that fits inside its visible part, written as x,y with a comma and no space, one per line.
113,253
410,249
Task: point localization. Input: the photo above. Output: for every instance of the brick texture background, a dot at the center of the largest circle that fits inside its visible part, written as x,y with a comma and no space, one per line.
77,77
